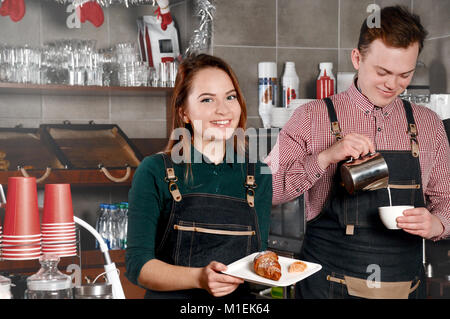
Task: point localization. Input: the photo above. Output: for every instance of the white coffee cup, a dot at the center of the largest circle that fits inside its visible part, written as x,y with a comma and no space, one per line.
389,214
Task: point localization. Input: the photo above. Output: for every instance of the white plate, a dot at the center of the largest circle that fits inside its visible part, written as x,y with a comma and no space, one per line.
243,268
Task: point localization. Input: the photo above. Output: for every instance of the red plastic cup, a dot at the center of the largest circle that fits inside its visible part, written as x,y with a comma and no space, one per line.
21,213
57,204
21,256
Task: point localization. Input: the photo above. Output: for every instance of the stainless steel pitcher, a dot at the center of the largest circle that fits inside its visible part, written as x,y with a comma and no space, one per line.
369,172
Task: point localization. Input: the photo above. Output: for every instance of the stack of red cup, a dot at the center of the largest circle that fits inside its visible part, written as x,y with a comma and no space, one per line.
21,233
58,226
1,232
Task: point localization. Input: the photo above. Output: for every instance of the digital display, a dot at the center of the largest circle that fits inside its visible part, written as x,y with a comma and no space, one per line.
165,46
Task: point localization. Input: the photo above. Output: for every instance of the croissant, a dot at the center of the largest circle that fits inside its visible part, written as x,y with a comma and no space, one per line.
266,265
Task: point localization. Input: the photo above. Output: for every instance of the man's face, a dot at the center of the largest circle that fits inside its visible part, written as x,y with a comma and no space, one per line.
384,72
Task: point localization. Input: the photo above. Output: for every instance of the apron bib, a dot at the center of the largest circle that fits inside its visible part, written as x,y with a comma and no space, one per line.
359,255
206,227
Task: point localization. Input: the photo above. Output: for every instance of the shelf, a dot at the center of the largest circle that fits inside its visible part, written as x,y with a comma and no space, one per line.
92,264
90,177
19,88
75,177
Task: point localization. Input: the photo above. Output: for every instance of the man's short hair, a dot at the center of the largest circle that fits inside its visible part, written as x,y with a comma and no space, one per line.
398,28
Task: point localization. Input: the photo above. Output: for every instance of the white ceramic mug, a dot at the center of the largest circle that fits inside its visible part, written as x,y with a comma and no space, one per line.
389,214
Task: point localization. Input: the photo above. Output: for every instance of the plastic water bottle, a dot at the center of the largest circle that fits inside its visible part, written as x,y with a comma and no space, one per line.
105,226
99,223
114,227
124,225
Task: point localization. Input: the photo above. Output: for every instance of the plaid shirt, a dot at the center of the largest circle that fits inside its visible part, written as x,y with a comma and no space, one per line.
293,160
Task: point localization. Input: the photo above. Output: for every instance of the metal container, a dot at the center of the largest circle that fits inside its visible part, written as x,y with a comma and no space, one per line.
94,291
365,173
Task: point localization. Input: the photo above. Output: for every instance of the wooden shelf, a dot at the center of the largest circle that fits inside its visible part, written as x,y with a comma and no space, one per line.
75,177
19,88
90,177
92,264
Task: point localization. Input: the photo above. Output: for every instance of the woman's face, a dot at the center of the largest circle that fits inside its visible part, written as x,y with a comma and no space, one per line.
212,107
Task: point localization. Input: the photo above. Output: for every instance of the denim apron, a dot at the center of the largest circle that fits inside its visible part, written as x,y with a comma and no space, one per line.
359,255
206,227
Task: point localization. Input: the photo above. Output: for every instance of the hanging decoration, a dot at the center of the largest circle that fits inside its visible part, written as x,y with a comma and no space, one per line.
15,9
105,3
92,12
202,35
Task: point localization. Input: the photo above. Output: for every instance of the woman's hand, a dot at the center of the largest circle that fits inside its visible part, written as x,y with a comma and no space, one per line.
216,283
419,221
352,145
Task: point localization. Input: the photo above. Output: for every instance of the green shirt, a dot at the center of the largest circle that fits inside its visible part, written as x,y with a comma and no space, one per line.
149,197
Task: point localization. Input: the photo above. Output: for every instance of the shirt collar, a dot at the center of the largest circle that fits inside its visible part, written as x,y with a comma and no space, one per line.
363,103
196,155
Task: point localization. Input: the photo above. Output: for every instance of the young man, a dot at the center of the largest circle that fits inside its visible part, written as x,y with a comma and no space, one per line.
360,257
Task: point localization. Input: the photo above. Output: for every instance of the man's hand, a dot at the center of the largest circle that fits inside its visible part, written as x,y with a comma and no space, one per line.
352,145
419,221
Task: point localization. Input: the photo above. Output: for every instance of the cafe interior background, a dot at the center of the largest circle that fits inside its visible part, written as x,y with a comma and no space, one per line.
244,33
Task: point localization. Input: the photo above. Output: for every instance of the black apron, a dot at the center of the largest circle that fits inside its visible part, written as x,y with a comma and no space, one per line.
353,246
206,227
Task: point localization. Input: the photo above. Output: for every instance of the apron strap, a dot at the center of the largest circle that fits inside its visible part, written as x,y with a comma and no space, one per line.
336,131
171,178
412,129
335,128
250,183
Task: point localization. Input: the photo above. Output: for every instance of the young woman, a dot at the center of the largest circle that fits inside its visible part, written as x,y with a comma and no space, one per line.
201,204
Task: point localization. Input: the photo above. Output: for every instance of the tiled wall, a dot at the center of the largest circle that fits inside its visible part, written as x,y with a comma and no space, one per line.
245,33
312,31
46,21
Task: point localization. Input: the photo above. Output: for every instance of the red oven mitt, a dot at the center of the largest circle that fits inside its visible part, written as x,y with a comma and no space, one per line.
93,12
14,8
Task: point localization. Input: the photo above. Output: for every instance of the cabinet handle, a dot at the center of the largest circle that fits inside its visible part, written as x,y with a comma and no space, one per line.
116,179
48,170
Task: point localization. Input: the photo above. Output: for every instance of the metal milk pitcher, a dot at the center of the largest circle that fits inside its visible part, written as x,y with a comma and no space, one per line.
369,172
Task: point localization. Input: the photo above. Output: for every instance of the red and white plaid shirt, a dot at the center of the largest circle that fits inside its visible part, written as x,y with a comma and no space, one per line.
293,160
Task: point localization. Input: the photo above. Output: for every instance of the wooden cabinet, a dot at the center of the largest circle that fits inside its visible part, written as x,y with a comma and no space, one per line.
84,177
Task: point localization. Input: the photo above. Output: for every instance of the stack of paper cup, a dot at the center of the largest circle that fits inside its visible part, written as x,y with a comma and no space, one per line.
1,232
58,226
21,233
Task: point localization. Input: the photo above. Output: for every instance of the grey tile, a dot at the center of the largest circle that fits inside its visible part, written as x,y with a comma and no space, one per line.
143,129
254,121
353,14
250,22
435,16
436,59
25,31
308,23
138,107
244,62
75,107
386,3
122,22
54,26
345,61
20,106
22,122
307,66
